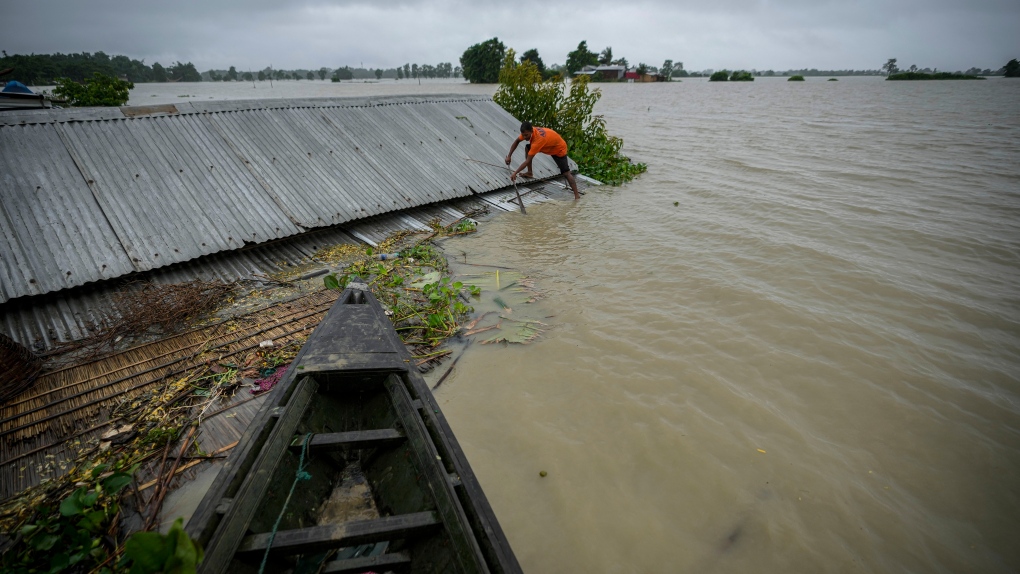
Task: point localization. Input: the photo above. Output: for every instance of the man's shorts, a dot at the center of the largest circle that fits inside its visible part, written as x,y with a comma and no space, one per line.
561,160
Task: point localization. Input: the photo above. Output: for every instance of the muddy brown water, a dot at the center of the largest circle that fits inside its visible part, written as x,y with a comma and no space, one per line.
809,364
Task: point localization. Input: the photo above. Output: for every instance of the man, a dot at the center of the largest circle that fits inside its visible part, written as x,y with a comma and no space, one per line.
546,141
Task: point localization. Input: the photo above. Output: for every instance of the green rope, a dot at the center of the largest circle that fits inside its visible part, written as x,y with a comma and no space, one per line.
298,476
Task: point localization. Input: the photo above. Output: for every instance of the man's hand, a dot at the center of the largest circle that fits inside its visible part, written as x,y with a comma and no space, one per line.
507,160
513,177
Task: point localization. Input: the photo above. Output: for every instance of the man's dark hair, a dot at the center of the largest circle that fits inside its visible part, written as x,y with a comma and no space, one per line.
525,127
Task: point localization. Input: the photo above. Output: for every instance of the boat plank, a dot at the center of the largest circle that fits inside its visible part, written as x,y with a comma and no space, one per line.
429,463
330,536
397,562
351,439
232,527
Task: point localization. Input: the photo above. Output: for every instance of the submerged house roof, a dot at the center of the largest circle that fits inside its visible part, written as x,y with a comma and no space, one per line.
96,194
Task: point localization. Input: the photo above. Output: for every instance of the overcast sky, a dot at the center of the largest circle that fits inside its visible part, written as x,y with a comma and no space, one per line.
759,34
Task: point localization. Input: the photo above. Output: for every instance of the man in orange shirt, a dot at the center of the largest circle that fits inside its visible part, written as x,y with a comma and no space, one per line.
548,142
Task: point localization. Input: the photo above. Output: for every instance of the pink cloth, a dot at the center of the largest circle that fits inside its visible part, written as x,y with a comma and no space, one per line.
266,384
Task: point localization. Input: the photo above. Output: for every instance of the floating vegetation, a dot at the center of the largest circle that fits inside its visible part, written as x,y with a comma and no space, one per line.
519,331
462,226
423,301
511,292
796,79
342,252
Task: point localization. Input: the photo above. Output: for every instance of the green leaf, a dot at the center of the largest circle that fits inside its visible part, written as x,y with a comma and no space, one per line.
90,499
426,279
44,542
114,483
93,519
59,562
175,552
368,251
73,504
148,552
331,282
187,555
99,469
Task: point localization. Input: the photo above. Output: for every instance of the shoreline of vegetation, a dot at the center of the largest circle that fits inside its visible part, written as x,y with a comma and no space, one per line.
911,76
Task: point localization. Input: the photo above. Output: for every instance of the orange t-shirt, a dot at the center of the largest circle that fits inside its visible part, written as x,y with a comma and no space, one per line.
546,141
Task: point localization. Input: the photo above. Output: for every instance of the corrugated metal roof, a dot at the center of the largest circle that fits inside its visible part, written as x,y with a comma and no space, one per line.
92,194
42,322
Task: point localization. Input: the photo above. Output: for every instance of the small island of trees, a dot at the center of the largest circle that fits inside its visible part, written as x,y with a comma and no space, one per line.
893,73
727,76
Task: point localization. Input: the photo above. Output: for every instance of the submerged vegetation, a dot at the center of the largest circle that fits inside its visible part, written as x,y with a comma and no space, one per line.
571,114
99,90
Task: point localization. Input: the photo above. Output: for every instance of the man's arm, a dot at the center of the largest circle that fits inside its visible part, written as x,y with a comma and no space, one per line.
526,166
512,148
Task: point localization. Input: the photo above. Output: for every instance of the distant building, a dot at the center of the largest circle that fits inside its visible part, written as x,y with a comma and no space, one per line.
610,72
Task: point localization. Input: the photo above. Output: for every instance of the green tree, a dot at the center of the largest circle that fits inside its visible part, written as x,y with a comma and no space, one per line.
1012,69
482,62
720,76
323,72
622,62
414,70
232,74
100,90
246,76
525,96
183,73
666,71
400,73
741,76
532,56
890,67
407,70
158,73
310,76
606,57
262,76
642,69
345,73
580,58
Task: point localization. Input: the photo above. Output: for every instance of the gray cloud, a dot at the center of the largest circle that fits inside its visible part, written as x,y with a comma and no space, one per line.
762,34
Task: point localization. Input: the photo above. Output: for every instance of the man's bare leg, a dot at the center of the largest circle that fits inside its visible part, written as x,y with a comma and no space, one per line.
573,184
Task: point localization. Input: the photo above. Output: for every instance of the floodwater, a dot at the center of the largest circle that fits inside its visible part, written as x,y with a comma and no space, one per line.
792,346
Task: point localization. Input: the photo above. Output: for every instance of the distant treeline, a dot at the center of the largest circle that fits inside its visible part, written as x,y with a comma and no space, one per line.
440,70
45,69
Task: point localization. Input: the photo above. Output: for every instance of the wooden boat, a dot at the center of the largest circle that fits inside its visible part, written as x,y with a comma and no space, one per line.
350,467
